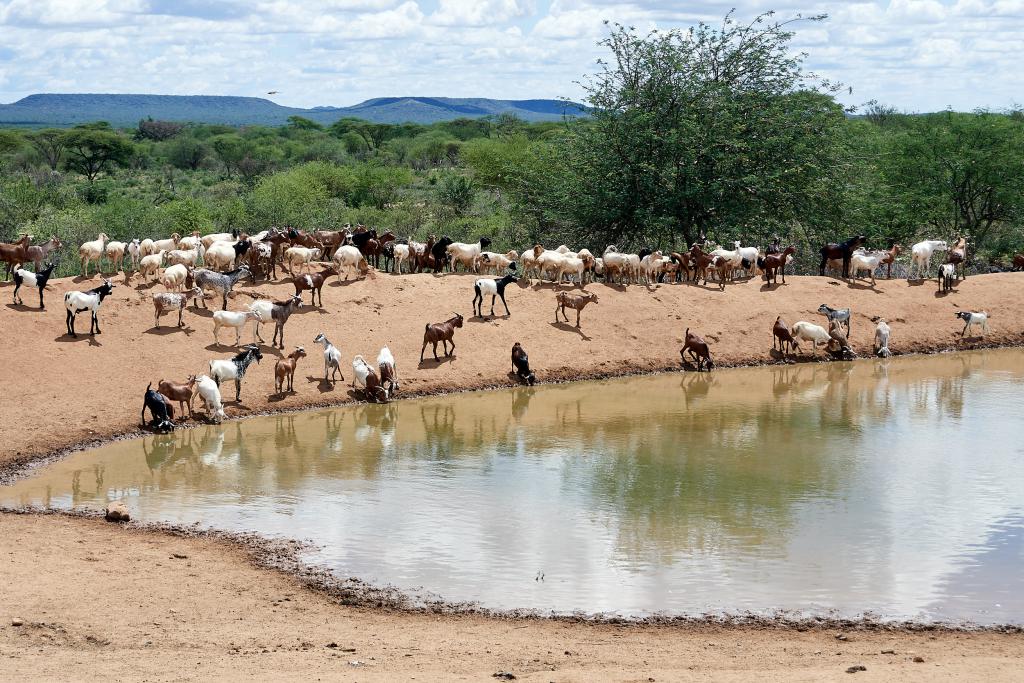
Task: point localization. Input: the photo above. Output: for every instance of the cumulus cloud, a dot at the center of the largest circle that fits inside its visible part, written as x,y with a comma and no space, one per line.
914,54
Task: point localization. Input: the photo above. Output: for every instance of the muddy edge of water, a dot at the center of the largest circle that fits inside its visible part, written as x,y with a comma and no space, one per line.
284,555
24,465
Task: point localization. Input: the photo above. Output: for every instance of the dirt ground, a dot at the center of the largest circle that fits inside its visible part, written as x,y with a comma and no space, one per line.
108,601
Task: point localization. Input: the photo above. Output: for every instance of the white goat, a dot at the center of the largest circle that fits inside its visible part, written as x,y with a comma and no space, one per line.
350,259
882,339
115,253
209,392
388,371
135,252
972,318
750,255
208,240
188,257
332,357
220,256
360,370
92,251
149,265
174,277
235,319
265,307
299,257
402,252
921,255
866,260
651,266
466,254
805,331
492,262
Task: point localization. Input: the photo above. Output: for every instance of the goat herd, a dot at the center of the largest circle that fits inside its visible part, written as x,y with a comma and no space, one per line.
228,258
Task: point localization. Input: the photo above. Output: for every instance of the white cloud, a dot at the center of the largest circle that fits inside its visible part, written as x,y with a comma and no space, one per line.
914,54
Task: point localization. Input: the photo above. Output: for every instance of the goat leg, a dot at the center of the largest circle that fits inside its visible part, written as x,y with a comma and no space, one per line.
503,303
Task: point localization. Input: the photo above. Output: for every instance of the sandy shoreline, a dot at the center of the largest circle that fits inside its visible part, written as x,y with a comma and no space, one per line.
93,393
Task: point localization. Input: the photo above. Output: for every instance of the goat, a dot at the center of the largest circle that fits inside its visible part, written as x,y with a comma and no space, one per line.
947,277
882,339
782,336
363,377
235,367
284,370
235,319
222,283
159,409
388,371
400,253
314,282
441,332
153,246
771,264
521,364
840,314
299,257
865,260
222,255
349,258
174,277
701,262
115,254
30,279
748,255
439,254
466,254
77,302
921,255
37,253
187,257
279,313
332,357
209,393
92,251
172,301
698,350
15,253
651,266
491,262
839,343
576,302
971,319
890,259
957,257
805,331
135,252
495,288
149,265
1018,262
182,392
843,250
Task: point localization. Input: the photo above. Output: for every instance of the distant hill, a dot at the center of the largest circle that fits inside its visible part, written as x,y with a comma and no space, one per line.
127,110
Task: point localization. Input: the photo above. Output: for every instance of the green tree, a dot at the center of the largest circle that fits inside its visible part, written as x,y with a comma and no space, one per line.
230,149
456,193
149,129
697,132
302,123
186,153
49,143
92,152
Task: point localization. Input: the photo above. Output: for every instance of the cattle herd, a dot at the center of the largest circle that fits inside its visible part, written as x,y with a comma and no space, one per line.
195,267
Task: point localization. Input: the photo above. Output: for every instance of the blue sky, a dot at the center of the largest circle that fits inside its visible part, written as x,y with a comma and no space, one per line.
918,55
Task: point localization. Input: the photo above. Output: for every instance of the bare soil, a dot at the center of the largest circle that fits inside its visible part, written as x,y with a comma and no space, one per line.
102,600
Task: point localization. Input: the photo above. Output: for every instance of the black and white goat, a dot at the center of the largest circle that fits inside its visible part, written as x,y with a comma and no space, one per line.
77,302
839,315
521,364
159,408
30,279
222,283
495,288
972,318
234,368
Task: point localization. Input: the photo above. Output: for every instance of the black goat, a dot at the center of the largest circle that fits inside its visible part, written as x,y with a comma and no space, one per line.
159,409
495,288
29,279
521,364
843,250
440,253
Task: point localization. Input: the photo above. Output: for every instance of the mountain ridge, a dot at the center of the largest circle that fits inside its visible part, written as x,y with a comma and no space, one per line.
121,110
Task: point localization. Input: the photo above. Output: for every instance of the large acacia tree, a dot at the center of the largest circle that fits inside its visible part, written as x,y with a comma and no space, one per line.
710,131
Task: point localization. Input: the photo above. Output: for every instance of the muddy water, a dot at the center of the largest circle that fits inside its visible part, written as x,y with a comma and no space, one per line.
891,487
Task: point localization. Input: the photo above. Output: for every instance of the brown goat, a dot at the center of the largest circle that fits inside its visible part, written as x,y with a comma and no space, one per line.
284,369
773,263
37,253
15,254
958,256
421,260
699,351
839,342
894,251
182,392
577,302
314,282
699,262
783,337
1018,262
441,332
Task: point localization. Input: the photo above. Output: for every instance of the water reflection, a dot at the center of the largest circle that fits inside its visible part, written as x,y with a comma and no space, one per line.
811,486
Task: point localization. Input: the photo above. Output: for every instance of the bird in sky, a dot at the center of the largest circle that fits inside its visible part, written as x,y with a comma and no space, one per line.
274,92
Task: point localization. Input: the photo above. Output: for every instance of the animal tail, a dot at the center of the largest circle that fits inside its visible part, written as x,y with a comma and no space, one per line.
149,386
